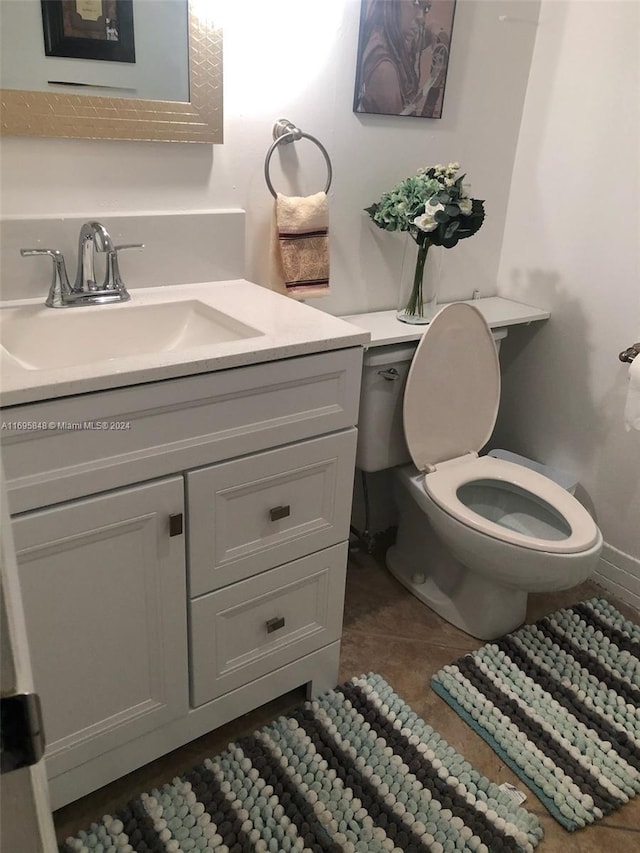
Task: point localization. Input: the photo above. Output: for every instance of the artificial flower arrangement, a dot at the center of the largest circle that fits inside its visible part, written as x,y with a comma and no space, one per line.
434,207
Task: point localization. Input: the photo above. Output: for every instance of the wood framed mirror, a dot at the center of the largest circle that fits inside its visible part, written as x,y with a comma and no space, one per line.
69,114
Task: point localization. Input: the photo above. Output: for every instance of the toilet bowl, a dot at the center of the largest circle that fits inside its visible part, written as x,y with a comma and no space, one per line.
476,534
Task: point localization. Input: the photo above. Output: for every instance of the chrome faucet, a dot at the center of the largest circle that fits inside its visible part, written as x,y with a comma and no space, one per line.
94,237
85,291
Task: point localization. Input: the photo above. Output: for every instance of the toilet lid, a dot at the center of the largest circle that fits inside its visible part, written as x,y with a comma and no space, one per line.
453,389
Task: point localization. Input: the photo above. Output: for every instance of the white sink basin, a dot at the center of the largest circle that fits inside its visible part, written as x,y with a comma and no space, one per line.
165,332
40,338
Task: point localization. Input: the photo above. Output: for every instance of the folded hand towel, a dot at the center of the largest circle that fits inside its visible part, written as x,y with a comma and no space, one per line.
300,261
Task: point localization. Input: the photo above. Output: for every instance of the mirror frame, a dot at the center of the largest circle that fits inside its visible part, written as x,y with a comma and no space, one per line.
58,114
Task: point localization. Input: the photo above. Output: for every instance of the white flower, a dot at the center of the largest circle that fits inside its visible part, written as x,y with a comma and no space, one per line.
465,206
426,221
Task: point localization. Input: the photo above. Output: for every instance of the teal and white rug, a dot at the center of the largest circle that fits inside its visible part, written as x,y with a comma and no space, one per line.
356,770
559,701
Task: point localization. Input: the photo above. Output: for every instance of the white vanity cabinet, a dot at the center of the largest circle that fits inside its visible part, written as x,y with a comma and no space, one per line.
143,640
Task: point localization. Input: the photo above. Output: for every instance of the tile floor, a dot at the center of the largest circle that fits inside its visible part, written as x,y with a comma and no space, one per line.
387,630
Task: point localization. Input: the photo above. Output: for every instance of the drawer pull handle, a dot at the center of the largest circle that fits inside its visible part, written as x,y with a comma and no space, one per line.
275,624
279,512
175,525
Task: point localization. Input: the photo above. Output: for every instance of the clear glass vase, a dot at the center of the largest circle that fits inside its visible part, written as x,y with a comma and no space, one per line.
419,282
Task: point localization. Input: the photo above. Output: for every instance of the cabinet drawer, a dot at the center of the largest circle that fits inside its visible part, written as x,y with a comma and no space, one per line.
264,510
253,627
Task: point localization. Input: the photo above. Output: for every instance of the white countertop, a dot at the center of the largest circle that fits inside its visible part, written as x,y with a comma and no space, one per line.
385,328
287,328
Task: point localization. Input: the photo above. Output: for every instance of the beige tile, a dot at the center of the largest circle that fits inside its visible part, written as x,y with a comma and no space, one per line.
376,603
541,604
591,839
406,664
626,817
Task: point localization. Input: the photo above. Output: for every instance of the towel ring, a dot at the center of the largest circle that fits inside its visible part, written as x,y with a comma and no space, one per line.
285,131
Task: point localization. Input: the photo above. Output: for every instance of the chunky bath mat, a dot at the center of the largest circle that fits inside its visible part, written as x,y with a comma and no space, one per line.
559,701
356,770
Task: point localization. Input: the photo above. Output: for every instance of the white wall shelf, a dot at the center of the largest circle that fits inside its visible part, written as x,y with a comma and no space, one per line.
385,328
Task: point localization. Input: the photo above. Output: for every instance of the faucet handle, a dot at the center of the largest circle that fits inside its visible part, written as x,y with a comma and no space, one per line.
128,246
113,279
54,253
59,282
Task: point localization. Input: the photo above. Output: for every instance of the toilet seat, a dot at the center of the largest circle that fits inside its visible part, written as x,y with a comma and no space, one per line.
443,486
450,408
452,393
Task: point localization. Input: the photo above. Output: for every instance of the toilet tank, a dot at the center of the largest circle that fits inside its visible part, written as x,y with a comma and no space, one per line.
381,442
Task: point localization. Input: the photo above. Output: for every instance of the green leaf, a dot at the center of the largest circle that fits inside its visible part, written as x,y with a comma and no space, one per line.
397,208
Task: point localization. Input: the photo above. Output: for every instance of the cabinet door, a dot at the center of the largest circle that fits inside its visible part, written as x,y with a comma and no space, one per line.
103,584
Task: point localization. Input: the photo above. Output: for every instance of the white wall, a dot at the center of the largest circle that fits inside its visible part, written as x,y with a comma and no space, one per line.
571,244
287,58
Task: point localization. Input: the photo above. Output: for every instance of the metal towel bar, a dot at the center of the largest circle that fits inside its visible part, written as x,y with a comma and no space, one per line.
285,131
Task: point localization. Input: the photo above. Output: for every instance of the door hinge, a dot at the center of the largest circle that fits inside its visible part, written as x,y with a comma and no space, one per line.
21,731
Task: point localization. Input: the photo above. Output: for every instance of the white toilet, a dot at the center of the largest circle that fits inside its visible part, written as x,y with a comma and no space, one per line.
475,534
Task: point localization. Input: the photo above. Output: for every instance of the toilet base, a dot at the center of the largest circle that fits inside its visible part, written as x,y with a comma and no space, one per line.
468,600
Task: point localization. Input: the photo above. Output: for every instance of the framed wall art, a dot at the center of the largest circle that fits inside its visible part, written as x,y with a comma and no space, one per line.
403,57
89,29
